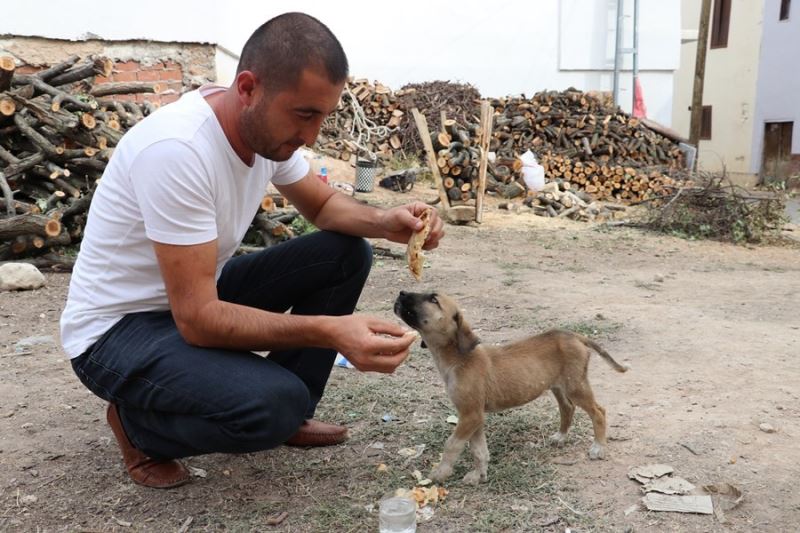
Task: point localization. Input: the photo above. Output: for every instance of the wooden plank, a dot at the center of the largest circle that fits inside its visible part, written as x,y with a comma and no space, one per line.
487,114
422,128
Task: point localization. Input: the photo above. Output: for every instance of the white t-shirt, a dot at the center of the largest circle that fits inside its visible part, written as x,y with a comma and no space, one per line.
175,179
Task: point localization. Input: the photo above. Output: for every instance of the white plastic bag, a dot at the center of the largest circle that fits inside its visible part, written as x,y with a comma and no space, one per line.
532,172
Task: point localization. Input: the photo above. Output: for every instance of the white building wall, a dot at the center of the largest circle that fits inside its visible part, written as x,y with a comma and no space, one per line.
778,87
684,76
504,47
730,88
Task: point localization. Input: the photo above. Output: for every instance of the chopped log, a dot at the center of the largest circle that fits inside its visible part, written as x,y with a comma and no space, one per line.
28,224
511,190
51,261
7,68
93,66
131,87
272,231
34,136
49,73
19,207
87,121
460,214
669,133
43,87
7,106
267,204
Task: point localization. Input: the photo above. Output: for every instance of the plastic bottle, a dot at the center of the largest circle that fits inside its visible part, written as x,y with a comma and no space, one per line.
532,172
398,515
323,174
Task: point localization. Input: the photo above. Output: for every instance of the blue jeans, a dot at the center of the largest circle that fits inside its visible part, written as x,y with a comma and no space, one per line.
177,400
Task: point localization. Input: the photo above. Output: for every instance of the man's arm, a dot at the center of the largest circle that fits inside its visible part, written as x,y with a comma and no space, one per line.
331,210
205,320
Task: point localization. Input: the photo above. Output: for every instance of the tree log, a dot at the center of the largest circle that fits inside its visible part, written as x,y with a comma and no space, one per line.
7,68
28,224
93,66
46,88
131,87
55,70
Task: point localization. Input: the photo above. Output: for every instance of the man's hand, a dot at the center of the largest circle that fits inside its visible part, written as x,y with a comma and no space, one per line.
372,344
398,224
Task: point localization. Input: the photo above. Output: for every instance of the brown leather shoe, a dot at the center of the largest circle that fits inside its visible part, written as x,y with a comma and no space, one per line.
142,469
316,433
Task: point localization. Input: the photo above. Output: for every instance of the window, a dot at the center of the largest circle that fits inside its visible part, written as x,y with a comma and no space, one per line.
720,23
705,124
785,5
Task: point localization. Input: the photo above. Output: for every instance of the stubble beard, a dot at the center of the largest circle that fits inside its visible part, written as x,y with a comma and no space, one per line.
258,139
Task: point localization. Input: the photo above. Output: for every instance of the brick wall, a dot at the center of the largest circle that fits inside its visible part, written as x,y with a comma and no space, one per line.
175,67
167,74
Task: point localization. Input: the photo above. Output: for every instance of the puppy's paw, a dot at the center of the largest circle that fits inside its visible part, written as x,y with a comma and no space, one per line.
441,472
474,477
558,439
597,451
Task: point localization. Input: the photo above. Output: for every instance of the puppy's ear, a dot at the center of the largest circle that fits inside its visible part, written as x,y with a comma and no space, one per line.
466,340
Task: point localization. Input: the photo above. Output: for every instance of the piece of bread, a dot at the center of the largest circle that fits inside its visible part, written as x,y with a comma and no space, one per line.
415,257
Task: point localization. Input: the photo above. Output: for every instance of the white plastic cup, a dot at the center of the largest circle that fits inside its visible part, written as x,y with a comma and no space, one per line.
398,515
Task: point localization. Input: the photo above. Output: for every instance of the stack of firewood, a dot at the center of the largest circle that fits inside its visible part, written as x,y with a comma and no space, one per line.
580,137
609,182
372,120
364,124
57,132
558,199
584,139
458,157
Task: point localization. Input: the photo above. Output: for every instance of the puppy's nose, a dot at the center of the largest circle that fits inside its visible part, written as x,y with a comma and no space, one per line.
402,293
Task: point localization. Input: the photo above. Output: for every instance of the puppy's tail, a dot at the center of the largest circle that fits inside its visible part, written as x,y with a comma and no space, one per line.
604,354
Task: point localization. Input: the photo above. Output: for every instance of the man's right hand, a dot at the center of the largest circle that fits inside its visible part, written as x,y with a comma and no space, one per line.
372,344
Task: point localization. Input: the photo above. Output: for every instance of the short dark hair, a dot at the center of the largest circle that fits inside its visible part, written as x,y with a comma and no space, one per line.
281,48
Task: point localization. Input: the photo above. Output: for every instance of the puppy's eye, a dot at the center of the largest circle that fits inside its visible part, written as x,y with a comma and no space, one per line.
434,300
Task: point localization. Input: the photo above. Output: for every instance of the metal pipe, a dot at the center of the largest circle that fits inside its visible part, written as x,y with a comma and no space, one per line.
618,50
635,50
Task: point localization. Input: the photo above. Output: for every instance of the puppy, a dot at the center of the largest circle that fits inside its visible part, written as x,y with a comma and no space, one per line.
480,378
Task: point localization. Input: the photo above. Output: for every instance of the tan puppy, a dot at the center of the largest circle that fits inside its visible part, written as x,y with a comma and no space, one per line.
481,378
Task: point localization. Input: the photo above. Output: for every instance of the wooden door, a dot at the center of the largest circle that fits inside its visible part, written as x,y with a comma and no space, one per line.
777,151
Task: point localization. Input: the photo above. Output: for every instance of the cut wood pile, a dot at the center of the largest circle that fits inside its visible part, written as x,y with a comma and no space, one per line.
584,139
579,137
372,120
559,199
57,132
457,156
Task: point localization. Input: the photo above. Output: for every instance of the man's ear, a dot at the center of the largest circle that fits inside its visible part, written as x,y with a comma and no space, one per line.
246,83
466,340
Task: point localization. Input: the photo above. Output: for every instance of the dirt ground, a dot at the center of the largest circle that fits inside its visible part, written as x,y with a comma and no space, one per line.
711,332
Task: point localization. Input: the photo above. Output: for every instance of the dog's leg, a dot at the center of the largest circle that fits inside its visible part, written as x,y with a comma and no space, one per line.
467,426
480,452
567,409
584,398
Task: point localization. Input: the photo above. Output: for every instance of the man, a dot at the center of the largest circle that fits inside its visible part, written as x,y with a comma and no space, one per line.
161,320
